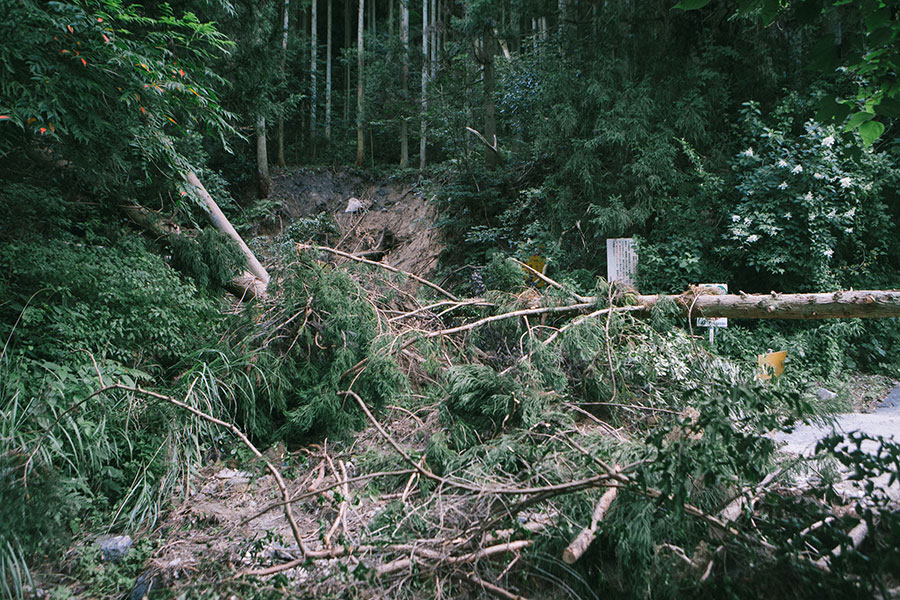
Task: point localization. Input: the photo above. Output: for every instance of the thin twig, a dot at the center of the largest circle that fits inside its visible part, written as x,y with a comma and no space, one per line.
288,513
385,266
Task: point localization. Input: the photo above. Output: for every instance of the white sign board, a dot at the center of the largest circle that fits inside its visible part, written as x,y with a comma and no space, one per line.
717,289
621,260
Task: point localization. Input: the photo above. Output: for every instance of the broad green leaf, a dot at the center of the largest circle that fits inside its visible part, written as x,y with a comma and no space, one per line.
770,10
879,18
858,119
824,56
692,4
808,11
870,131
830,109
888,107
882,36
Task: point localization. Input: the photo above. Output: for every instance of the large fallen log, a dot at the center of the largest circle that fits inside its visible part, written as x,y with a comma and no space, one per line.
866,304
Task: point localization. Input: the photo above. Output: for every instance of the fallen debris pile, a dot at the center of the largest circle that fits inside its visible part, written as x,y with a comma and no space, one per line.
531,431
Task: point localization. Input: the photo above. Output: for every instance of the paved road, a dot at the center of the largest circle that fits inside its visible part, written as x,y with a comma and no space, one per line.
884,421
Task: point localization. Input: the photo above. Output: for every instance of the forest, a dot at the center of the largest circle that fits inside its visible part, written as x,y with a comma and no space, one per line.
314,299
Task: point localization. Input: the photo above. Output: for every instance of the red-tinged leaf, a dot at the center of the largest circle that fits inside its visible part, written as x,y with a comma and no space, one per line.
143,110
173,120
52,128
63,51
69,27
83,62
183,193
99,20
181,72
30,121
4,117
105,39
43,130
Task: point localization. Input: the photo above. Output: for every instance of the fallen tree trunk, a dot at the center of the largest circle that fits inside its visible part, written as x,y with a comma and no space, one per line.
867,304
586,537
248,285
221,222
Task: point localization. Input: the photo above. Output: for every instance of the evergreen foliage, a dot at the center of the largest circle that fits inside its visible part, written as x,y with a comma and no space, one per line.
724,141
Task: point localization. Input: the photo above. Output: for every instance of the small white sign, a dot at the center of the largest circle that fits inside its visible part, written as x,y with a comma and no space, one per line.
717,289
621,260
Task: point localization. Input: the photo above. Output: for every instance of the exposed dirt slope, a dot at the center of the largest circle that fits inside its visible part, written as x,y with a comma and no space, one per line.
394,222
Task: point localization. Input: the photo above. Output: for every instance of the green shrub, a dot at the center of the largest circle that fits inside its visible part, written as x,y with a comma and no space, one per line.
116,301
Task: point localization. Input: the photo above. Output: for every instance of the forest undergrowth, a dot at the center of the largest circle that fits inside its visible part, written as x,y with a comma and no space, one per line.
535,441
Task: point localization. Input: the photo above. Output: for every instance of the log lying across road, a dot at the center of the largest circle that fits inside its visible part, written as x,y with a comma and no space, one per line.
832,305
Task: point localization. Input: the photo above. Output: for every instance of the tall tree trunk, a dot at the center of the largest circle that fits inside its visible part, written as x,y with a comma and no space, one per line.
284,44
264,181
563,24
328,76
490,112
360,133
404,82
313,63
347,64
423,126
372,17
391,19
433,42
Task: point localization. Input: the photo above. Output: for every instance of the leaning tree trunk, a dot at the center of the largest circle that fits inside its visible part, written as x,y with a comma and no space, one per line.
250,284
221,222
360,134
831,305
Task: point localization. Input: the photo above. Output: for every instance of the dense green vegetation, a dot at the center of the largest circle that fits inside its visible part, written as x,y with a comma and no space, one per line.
747,142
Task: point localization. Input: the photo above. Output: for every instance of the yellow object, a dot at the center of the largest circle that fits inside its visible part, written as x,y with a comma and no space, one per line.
771,364
538,263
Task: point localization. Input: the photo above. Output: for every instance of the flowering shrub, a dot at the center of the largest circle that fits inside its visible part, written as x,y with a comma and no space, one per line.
808,214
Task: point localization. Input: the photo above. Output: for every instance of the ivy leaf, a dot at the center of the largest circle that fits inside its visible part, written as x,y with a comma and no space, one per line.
858,119
870,131
692,4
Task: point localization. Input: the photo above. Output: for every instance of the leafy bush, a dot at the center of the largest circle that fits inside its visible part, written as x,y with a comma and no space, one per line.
810,214
212,260
120,302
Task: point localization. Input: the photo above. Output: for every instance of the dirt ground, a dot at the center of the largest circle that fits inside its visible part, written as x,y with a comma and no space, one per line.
394,221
